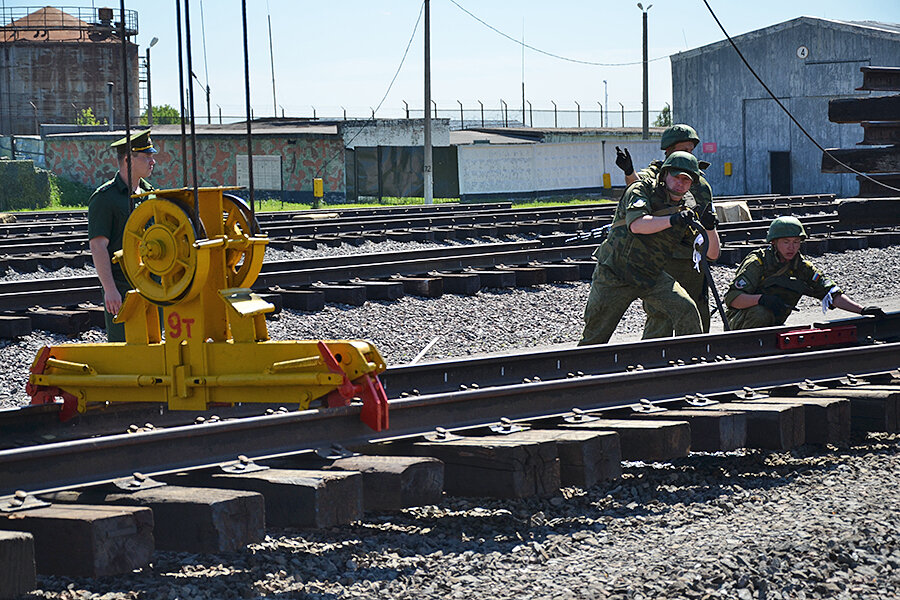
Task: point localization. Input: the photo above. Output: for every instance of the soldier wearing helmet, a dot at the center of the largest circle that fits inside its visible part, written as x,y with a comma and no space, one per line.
771,280
651,219
679,137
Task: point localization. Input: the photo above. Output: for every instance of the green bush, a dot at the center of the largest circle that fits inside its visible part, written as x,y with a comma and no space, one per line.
67,193
22,187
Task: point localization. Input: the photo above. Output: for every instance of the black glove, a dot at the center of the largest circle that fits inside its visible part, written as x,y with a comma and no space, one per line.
682,218
773,303
708,218
623,161
874,311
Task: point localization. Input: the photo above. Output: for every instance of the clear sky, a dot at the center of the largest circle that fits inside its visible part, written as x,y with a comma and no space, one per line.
344,53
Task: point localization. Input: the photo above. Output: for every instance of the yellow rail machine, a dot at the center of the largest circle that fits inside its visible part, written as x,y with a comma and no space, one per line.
216,350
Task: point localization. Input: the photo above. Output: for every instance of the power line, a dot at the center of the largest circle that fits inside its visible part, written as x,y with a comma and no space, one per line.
388,91
550,54
788,112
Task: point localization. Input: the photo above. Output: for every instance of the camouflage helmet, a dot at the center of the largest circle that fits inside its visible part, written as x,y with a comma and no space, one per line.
678,133
682,162
783,227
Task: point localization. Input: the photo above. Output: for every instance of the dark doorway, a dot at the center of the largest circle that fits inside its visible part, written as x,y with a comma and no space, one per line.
780,172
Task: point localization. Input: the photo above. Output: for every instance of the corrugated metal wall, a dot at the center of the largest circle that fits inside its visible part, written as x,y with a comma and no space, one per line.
714,92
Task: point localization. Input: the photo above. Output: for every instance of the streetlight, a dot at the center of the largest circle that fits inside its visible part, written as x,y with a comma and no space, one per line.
645,124
208,113
149,96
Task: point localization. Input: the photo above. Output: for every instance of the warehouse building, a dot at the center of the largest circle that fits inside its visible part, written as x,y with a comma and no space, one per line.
753,146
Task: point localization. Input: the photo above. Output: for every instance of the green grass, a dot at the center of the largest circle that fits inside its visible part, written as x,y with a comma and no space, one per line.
66,194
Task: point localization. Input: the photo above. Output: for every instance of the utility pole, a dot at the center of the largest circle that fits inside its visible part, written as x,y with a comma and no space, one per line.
645,122
429,173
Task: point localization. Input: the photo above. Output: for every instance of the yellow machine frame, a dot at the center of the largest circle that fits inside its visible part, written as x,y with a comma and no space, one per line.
216,349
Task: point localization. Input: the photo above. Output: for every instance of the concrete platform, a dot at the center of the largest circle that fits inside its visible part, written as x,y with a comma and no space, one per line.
293,497
86,541
188,519
17,571
647,440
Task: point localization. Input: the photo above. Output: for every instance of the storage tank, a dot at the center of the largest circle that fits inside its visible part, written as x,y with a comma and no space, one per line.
56,62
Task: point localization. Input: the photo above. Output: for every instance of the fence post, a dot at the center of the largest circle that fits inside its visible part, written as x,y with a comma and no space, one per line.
578,108
530,114
601,112
555,125
623,113
462,121
482,112
504,112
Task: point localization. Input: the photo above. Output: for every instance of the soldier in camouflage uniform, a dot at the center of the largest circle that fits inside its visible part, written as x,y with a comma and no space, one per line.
680,265
108,210
651,218
771,280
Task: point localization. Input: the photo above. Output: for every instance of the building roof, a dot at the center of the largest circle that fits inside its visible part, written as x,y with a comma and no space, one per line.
874,28
51,24
465,137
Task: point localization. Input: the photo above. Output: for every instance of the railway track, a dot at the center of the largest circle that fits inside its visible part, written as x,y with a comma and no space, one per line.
471,393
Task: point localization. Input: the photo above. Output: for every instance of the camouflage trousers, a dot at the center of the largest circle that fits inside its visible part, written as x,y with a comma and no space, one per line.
750,318
610,297
683,271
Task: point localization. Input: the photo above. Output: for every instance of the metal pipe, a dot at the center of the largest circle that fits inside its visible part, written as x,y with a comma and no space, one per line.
429,164
181,95
124,35
190,66
249,111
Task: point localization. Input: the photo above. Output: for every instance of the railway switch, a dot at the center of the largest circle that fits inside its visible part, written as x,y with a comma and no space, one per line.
195,333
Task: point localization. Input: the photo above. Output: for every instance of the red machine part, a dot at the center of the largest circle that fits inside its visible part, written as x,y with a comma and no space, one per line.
816,338
368,388
44,394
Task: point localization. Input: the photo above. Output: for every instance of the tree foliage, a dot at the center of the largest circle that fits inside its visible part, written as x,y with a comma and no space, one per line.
163,115
86,117
664,118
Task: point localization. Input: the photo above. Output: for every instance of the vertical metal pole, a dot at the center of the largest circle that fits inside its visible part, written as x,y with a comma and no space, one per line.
606,102
122,30
149,95
249,112
111,124
523,71
429,174
190,66
272,62
645,130
462,122
181,95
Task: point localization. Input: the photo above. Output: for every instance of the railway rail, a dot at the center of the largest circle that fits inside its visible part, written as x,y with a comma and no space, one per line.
501,394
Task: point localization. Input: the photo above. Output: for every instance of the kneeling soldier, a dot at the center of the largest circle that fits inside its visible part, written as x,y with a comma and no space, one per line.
649,223
771,280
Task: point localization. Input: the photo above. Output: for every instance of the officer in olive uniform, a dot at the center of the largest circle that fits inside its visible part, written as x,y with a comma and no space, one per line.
108,209
651,219
771,280
680,265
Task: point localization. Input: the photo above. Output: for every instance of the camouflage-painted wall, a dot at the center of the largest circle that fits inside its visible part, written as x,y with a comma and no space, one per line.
89,160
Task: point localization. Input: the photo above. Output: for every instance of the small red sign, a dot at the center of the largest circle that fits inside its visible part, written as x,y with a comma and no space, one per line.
709,147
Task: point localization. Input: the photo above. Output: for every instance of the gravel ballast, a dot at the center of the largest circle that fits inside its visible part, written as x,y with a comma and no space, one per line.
746,525
490,321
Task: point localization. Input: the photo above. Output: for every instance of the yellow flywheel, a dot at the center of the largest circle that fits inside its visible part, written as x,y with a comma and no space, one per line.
158,255
243,258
